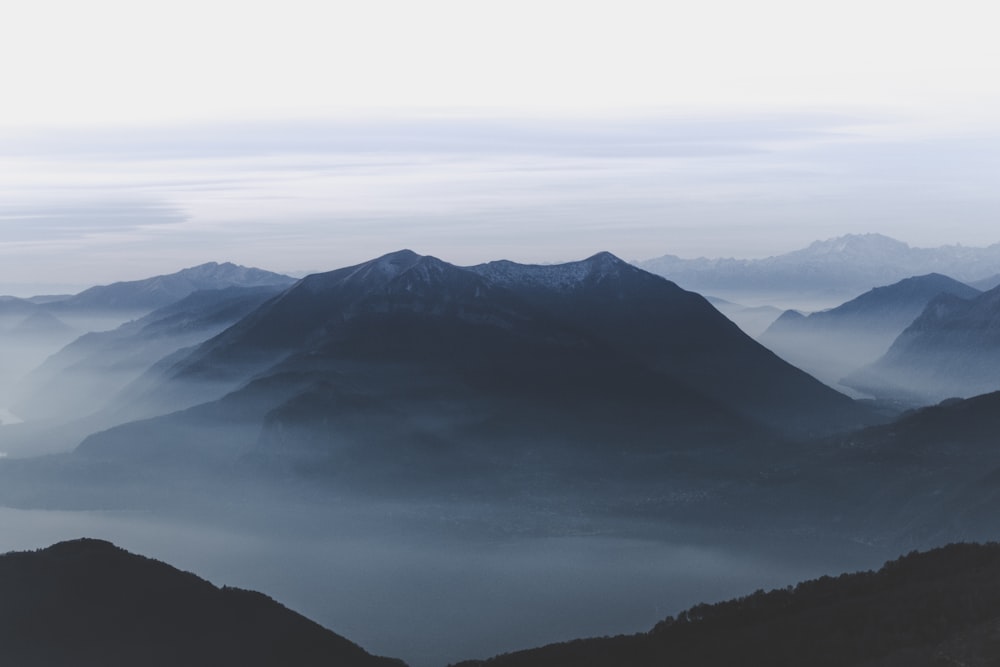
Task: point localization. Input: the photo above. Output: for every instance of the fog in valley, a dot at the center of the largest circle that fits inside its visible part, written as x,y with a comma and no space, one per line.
403,581
443,462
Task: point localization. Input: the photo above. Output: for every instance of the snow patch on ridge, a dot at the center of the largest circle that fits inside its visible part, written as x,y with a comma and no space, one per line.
551,276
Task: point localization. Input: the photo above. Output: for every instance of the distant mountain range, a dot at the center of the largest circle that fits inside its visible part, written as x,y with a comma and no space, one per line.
827,272
941,607
832,343
87,374
952,349
33,329
88,602
159,291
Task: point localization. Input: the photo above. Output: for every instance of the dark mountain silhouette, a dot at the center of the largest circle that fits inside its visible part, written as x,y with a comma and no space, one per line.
408,374
829,271
677,333
941,607
951,349
832,343
602,303
87,602
929,477
158,291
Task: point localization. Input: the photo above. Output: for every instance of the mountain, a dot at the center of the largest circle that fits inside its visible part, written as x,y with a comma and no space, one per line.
87,374
987,284
951,349
826,272
941,607
830,344
593,310
754,320
88,602
409,373
159,291
928,477
44,324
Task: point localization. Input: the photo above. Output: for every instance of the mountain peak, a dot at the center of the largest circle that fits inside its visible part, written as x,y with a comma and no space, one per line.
553,276
857,244
605,261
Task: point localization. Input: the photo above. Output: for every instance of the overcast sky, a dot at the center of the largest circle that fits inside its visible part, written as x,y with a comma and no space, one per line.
142,137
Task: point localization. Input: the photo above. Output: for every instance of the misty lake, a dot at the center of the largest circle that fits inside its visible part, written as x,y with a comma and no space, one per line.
436,594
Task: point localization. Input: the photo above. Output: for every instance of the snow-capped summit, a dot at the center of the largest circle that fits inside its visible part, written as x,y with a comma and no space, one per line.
553,276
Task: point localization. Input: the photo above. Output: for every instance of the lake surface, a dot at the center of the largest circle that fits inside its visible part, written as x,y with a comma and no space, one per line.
438,596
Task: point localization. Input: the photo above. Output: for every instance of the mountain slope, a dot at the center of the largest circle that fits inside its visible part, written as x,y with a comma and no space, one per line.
88,602
408,374
935,608
679,334
159,291
832,343
87,374
951,349
601,302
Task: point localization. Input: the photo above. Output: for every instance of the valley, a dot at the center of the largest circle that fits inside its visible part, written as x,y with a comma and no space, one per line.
407,450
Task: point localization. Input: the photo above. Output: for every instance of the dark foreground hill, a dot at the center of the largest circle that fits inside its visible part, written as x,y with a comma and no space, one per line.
89,603
941,607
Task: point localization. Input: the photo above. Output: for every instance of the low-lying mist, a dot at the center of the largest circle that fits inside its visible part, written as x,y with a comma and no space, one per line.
434,585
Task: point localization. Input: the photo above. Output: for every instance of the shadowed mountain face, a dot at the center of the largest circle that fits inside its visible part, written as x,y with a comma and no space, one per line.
87,602
929,477
403,307
936,608
832,343
407,372
952,349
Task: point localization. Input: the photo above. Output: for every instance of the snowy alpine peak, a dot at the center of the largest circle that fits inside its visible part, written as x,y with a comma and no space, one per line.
384,268
553,276
857,245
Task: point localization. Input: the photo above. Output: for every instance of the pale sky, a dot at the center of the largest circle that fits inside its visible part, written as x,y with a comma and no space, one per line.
141,137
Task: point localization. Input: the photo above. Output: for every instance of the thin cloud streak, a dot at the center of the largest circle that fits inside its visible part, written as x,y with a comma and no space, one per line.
289,197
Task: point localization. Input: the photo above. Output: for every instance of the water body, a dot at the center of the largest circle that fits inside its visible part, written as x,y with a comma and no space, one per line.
437,597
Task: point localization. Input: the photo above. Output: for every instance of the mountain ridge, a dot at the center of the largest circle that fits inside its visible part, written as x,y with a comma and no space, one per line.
89,602
828,271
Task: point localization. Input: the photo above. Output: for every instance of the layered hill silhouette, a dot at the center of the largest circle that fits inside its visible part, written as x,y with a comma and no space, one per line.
832,343
407,370
88,602
151,293
33,329
941,607
951,350
87,374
